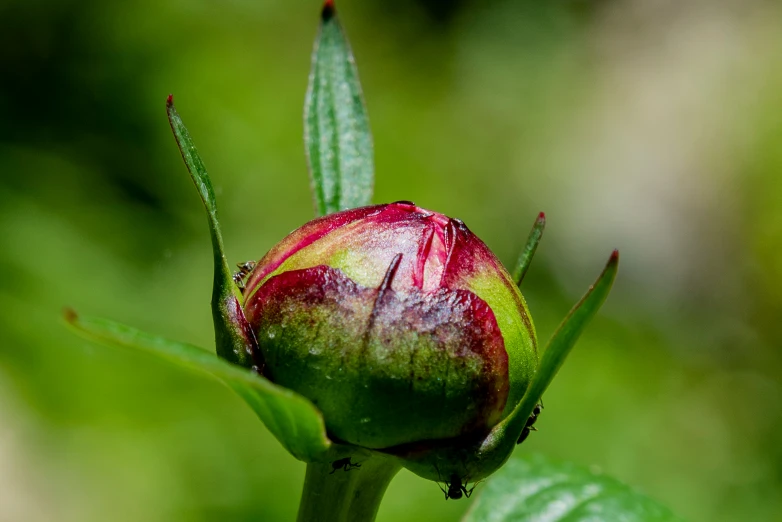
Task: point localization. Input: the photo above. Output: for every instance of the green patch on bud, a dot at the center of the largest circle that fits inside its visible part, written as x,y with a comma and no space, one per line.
384,368
515,323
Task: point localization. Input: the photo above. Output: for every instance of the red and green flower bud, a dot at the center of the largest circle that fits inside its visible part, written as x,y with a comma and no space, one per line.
398,323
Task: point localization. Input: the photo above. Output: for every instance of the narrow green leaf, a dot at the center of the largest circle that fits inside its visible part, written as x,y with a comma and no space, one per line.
291,418
535,488
562,342
337,137
525,258
234,338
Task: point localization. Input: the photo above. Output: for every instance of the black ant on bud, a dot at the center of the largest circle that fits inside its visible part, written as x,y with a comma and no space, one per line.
529,426
455,488
244,270
345,464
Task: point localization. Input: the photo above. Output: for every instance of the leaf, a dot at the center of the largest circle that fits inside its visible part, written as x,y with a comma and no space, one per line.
538,489
562,342
337,137
234,339
291,418
525,258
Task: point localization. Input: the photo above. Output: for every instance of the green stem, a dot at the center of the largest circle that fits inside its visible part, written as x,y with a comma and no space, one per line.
351,495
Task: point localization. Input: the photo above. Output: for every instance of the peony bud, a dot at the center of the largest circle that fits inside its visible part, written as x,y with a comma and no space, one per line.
398,323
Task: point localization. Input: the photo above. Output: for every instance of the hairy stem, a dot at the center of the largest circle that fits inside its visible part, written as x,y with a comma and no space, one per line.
344,492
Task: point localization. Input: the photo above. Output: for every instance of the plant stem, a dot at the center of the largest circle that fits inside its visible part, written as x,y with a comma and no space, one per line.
346,496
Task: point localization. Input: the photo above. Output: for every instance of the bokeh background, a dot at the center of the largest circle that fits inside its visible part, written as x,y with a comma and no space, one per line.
652,126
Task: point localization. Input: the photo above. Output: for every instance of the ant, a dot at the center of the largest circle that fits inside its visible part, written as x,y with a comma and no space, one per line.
244,270
455,488
529,426
345,464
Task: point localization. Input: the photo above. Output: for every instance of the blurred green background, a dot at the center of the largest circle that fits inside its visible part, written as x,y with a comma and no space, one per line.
652,126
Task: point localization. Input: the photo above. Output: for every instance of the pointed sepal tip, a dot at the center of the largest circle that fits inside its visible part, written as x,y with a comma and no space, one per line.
329,10
70,315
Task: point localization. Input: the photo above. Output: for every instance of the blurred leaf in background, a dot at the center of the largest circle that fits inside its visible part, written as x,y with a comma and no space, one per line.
652,127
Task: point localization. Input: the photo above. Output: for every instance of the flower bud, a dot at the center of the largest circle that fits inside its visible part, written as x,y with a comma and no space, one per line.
398,323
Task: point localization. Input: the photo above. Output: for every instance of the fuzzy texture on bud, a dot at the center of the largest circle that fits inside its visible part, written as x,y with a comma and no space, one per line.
398,323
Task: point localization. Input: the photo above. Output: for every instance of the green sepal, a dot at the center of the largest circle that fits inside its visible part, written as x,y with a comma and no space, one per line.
562,342
337,137
234,339
525,258
291,418
536,488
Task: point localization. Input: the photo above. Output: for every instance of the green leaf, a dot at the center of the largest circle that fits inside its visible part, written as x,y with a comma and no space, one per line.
234,339
294,420
336,128
525,258
535,488
562,342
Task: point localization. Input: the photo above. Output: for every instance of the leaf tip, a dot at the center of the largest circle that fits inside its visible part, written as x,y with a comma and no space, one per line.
612,265
328,11
70,315
170,101
541,218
